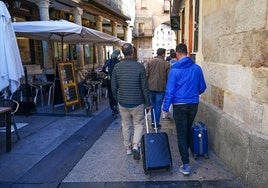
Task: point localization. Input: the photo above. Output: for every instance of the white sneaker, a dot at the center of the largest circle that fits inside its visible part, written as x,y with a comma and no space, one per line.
129,150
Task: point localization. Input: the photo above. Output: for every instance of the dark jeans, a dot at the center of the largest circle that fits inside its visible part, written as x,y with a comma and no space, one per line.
112,101
184,115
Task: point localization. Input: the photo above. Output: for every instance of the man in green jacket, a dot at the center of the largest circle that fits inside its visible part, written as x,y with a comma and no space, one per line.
129,87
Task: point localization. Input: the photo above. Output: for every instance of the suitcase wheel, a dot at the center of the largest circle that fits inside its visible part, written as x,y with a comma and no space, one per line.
169,170
206,156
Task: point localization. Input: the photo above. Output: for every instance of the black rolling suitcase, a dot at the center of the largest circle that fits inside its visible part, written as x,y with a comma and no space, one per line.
156,153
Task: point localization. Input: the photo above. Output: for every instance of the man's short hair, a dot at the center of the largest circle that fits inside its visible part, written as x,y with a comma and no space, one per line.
171,51
115,53
161,51
127,49
173,55
181,48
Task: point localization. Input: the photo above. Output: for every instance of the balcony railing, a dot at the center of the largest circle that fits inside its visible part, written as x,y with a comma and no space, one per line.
142,33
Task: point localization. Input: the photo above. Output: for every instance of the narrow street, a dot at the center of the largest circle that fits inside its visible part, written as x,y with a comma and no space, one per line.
81,151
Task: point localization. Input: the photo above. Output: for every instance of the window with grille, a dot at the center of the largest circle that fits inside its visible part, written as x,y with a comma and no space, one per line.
141,29
166,6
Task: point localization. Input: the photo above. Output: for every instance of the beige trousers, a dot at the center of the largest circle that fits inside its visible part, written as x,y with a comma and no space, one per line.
132,121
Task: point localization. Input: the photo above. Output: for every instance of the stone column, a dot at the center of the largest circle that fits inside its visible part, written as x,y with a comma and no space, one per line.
114,28
44,15
126,33
79,48
99,51
99,20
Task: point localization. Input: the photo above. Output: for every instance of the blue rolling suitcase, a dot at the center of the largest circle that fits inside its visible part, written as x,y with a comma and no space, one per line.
155,150
199,144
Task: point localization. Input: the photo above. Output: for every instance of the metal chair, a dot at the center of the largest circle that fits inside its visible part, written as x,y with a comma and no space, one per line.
50,94
15,106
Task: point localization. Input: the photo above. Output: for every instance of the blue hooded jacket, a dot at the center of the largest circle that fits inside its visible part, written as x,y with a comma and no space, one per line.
185,83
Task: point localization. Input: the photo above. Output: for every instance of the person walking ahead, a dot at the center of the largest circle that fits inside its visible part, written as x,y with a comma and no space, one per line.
157,73
110,63
130,89
185,84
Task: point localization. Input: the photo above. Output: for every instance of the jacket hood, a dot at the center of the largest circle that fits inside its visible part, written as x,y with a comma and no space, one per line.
183,63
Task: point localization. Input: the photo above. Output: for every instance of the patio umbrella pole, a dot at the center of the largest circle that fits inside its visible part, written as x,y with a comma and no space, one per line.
61,47
94,57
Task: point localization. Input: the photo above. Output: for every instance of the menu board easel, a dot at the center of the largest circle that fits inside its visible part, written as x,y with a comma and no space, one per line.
69,87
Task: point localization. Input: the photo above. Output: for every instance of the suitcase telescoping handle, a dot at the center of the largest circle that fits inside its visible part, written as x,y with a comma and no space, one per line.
146,120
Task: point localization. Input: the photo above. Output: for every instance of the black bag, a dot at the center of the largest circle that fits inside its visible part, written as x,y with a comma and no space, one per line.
155,149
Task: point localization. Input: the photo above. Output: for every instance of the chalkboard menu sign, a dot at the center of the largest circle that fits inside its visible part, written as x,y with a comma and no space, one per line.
68,82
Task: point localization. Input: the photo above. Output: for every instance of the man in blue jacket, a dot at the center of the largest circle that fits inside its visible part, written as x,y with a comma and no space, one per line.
185,84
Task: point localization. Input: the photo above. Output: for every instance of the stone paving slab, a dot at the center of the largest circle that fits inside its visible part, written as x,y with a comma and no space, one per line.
107,161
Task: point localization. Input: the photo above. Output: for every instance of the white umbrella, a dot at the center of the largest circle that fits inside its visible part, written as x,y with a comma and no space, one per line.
11,69
63,31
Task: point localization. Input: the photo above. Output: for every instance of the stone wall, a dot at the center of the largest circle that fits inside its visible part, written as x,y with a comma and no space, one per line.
243,151
235,63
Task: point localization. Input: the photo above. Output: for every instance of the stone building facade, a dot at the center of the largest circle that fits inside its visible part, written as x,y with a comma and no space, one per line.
233,52
148,16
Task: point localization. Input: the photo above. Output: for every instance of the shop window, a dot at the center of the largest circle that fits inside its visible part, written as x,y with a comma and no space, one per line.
38,52
69,52
31,51
59,54
24,47
88,53
72,52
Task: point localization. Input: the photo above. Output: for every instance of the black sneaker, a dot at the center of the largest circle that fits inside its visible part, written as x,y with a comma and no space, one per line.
153,125
157,126
136,154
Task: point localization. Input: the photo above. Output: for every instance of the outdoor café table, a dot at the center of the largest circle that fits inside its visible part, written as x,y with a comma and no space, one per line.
7,115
